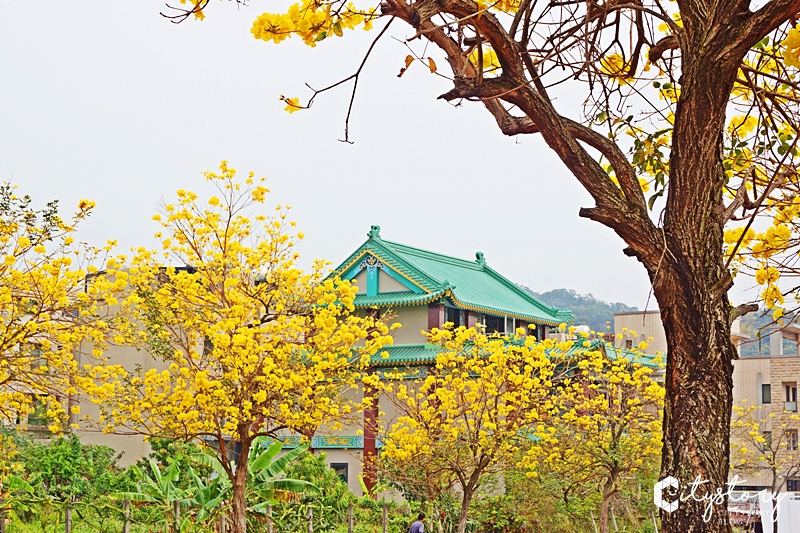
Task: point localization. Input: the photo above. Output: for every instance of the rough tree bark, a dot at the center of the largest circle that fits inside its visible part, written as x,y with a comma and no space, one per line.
684,257
239,486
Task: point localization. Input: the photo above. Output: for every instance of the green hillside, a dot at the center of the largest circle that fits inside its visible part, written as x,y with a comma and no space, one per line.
588,310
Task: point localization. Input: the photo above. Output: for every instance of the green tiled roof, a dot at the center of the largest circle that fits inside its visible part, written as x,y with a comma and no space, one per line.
470,285
613,352
406,354
396,299
420,354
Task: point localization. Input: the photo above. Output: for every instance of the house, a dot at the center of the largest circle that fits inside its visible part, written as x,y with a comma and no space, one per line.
418,289
422,290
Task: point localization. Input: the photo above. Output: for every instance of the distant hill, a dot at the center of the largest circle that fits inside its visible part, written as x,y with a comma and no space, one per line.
587,309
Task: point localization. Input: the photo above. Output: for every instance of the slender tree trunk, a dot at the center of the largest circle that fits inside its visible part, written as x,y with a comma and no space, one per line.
238,503
774,516
462,515
605,502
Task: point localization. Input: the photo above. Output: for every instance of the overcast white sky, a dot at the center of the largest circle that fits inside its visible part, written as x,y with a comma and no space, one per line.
109,101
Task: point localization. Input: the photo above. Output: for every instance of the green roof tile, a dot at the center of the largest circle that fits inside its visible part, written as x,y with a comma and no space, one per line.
470,285
406,354
395,299
420,354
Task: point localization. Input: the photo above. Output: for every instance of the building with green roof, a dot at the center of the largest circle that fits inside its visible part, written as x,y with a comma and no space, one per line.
422,290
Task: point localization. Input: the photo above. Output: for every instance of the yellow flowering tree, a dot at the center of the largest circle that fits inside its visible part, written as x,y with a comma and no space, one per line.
251,345
689,123
610,427
52,298
482,399
765,445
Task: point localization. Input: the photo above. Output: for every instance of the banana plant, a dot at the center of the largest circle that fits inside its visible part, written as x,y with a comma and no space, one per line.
161,490
264,471
208,498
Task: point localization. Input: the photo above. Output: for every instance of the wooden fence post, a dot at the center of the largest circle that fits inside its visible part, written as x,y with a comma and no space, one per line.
176,511
269,519
385,516
126,509
614,519
223,522
68,518
310,520
349,519
591,513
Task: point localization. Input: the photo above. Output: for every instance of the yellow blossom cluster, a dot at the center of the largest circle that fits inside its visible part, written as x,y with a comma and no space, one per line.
248,344
763,444
52,298
487,399
610,422
312,21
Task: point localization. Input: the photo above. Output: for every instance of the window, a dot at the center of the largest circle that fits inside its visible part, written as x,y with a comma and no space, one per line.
628,344
790,397
768,438
791,439
766,393
37,359
793,485
494,324
341,470
456,316
38,418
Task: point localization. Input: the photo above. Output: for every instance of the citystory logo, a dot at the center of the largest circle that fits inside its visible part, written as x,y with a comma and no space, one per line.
666,497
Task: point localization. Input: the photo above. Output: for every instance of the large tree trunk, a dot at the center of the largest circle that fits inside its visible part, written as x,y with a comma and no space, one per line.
691,284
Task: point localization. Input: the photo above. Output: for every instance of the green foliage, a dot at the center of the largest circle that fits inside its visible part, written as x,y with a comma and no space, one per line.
168,451
588,310
64,469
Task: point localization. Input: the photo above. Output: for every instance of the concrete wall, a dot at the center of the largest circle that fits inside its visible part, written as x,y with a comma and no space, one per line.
645,325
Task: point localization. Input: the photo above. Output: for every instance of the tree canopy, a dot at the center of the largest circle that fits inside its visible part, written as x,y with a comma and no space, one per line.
689,125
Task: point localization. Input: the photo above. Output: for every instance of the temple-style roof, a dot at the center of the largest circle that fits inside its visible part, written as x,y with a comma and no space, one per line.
417,354
429,276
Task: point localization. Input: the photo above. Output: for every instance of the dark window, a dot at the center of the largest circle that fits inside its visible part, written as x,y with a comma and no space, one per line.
341,470
37,359
766,393
793,485
454,315
38,417
494,324
768,438
791,439
629,344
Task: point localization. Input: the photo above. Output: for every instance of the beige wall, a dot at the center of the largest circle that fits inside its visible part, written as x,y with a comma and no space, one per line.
645,325
414,320
748,375
361,281
132,447
387,283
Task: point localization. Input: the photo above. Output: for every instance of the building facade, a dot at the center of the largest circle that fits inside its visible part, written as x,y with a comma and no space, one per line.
767,381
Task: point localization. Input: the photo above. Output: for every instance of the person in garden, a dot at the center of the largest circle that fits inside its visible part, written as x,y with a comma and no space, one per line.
419,525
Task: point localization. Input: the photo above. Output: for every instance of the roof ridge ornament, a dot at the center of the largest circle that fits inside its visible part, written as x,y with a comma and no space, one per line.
480,259
374,232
